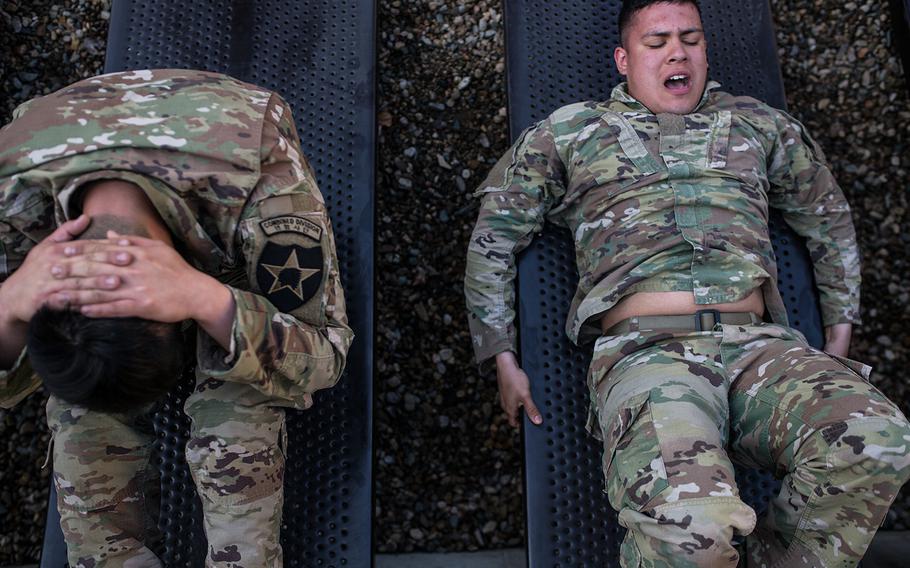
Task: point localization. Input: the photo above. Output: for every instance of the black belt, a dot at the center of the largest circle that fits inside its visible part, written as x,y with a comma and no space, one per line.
702,320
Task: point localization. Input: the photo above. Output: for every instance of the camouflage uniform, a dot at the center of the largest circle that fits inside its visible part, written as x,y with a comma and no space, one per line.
680,203
221,162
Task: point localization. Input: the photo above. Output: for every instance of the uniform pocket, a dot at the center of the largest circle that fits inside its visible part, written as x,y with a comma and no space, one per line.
633,467
861,369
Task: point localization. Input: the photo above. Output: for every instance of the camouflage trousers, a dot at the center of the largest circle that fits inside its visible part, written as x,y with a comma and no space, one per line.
675,409
107,486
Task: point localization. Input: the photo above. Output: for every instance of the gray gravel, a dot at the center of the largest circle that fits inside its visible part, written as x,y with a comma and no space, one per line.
448,466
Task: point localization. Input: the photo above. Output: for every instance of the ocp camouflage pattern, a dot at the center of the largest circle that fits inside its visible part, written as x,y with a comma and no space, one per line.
677,409
659,203
210,152
218,159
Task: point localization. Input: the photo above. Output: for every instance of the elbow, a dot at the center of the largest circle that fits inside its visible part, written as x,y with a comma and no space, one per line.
327,370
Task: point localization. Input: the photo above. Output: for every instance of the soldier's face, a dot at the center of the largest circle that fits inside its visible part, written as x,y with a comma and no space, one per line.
665,58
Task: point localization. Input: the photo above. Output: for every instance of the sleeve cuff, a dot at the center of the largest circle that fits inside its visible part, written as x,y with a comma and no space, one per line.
485,355
240,363
829,319
17,382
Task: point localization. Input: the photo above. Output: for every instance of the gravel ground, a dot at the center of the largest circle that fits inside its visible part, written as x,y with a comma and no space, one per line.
448,466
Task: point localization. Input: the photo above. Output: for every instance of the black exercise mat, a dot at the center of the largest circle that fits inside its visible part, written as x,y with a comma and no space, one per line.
559,52
320,56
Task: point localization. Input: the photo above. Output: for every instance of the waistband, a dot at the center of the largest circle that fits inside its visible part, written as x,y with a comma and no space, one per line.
702,320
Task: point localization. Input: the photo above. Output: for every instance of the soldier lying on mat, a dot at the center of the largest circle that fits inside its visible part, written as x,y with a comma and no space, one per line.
130,203
666,188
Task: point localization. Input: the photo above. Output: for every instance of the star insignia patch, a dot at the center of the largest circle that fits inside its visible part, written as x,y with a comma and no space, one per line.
289,275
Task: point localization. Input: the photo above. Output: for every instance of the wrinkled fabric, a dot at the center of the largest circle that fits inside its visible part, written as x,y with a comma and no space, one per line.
221,162
676,409
659,203
217,158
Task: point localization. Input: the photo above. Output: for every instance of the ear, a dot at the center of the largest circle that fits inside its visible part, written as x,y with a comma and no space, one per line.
621,57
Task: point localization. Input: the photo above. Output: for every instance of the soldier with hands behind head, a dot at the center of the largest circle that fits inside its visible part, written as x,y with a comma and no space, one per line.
138,209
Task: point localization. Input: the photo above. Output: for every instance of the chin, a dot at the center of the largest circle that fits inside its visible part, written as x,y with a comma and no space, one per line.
680,106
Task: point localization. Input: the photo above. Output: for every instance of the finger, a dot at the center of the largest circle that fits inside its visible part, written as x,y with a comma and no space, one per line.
109,282
112,249
86,297
106,282
511,414
130,239
116,237
83,267
71,229
531,410
100,253
115,309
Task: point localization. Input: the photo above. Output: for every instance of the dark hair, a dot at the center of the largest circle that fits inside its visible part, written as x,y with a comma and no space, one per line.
104,364
632,7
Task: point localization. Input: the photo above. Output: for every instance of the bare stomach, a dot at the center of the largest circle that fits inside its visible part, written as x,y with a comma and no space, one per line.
674,303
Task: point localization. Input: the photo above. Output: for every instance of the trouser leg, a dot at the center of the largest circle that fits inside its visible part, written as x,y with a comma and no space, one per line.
841,446
106,488
663,415
235,454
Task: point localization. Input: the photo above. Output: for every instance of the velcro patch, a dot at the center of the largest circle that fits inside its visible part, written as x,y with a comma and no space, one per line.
289,275
291,224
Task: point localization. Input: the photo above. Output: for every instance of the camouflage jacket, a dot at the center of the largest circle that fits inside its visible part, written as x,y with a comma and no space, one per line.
659,203
221,162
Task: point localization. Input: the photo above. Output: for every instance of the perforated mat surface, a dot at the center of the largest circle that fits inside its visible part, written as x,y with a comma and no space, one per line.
320,56
559,52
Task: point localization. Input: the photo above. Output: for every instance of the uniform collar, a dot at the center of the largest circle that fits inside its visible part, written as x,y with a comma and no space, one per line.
621,93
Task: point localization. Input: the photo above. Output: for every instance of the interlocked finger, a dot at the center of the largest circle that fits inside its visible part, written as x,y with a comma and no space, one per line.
85,297
95,264
99,251
118,308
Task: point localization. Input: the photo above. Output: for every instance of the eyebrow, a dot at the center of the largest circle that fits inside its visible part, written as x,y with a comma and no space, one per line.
661,34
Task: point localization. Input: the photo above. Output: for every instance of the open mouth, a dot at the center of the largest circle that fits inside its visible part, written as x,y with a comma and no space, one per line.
678,83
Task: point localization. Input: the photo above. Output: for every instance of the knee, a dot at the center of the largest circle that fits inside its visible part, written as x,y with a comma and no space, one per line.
866,446
694,532
236,455
880,444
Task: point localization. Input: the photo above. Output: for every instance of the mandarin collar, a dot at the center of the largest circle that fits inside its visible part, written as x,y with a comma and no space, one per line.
621,93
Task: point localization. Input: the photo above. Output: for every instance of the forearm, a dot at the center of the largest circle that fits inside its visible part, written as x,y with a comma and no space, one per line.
13,335
282,355
12,342
216,314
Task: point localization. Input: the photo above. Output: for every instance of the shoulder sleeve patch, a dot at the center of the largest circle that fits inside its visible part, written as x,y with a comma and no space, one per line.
289,275
291,224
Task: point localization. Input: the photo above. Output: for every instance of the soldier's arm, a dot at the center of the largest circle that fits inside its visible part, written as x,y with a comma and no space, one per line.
515,198
804,189
290,334
24,287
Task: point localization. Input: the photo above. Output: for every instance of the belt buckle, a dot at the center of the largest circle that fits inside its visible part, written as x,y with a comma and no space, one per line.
701,313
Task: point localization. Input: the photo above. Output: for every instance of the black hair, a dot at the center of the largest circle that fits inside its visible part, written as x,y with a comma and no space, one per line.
104,364
632,7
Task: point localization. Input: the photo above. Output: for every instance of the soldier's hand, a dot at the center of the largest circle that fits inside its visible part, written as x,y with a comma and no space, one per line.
514,389
31,286
157,284
837,339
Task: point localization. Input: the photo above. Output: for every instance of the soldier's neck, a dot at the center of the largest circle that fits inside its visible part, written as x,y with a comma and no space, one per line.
123,200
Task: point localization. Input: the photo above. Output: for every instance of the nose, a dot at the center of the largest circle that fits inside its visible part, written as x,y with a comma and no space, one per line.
677,53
